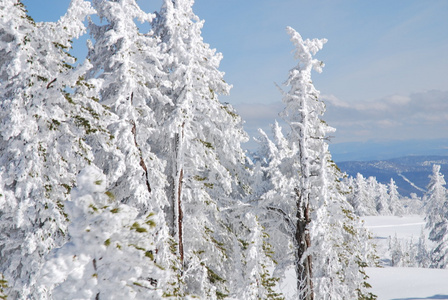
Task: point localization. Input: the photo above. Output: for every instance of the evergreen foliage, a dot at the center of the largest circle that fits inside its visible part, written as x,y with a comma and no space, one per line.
112,250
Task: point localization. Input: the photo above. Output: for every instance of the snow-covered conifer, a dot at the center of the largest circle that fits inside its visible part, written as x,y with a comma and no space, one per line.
200,140
437,217
127,69
126,66
404,253
372,193
43,132
422,256
382,200
305,195
396,207
396,251
362,200
435,197
112,251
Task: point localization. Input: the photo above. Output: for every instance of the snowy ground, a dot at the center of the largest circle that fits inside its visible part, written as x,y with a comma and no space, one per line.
403,283
392,283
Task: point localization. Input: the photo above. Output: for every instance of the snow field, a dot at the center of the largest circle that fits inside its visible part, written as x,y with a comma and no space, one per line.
403,283
408,283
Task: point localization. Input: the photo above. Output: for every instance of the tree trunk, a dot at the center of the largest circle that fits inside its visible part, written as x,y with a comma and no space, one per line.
180,218
142,161
303,242
177,193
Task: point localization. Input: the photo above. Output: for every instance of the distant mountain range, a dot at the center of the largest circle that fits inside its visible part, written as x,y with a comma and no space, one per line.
381,150
410,173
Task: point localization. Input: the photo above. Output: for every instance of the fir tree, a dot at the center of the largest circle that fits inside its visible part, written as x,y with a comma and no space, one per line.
304,196
422,256
200,140
437,218
382,200
396,207
112,250
44,127
126,67
363,202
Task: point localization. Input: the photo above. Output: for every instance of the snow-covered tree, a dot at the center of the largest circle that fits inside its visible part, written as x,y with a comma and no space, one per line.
422,256
124,177
373,189
302,113
396,251
435,197
43,132
404,253
396,207
253,257
437,217
200,138
412,205
127,69
382,200
125,64
274,196
304,195
112,248
362,202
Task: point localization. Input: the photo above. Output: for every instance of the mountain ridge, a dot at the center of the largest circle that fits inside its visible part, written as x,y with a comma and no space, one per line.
410,173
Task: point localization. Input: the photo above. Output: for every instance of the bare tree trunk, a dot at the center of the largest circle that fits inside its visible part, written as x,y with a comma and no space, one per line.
180,219
177,191
303,242
142,161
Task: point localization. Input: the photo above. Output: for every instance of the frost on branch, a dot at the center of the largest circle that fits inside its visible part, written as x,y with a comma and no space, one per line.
111,253
43,129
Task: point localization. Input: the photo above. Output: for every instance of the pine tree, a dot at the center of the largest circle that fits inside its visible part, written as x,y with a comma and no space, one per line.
382,200
112,250
302,113
362,201
304,194
396,252
437,217
127,67
44,127
396,207
422,256
273,186
201,140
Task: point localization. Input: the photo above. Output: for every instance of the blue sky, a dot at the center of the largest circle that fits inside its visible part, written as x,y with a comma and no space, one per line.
386,73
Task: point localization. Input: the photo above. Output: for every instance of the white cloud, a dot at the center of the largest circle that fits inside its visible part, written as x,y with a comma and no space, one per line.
398,99
419,115
397,117
335,101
